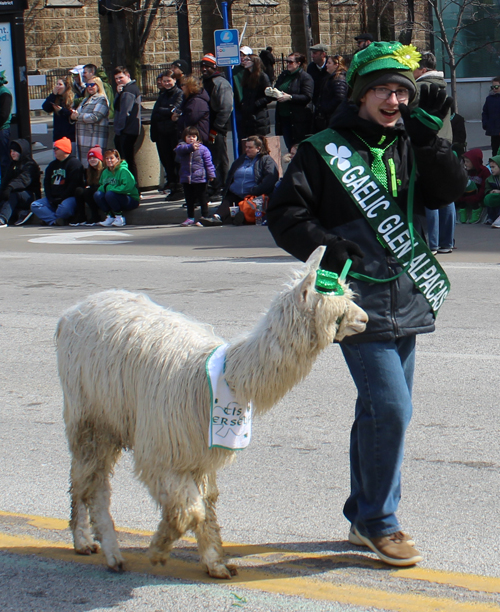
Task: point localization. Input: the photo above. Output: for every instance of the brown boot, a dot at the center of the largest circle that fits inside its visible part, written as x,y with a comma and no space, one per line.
392,549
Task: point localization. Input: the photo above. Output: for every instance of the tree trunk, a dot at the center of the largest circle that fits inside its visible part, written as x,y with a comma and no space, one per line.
307,27
453,77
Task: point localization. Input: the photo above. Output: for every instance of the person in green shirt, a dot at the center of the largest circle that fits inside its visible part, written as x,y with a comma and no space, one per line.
117,191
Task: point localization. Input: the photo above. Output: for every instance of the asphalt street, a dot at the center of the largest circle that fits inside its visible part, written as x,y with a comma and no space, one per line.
280,506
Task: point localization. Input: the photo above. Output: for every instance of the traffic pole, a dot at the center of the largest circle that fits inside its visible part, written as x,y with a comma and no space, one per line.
225,20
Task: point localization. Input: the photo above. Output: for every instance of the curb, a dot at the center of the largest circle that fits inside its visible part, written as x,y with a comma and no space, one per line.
154,210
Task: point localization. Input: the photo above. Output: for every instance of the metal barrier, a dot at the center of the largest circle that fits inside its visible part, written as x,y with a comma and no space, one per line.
149,74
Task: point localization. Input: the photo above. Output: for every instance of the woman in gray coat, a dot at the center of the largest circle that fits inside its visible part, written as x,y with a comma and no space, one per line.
91,119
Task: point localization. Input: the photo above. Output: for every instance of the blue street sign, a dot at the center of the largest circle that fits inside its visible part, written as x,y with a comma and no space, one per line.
227,48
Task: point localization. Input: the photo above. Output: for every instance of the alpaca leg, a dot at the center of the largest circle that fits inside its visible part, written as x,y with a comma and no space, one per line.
104,527
182,509
208,536
93,459
83,540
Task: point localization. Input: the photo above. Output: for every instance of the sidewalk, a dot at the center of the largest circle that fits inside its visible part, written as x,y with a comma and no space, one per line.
154,210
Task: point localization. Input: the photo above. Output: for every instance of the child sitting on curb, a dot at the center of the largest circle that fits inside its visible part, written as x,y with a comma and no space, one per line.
117,191
492,193
196,169
470,205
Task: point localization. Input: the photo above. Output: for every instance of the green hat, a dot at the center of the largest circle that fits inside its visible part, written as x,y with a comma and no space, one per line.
382,59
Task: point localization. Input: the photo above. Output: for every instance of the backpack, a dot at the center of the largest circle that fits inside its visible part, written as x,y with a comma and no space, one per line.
248,207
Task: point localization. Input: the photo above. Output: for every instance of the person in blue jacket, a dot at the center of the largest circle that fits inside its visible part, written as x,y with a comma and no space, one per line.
491,115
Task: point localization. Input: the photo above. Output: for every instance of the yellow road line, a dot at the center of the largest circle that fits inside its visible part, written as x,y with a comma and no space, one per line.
305,587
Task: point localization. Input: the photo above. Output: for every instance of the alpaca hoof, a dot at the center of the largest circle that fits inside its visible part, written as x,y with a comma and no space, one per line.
115,563
157,556
233,569
88,549
119,568
224,572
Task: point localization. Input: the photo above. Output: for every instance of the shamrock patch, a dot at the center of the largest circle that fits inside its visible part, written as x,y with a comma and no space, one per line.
340,154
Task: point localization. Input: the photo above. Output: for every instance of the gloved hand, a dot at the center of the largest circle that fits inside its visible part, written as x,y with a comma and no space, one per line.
212,135
424,122
338,251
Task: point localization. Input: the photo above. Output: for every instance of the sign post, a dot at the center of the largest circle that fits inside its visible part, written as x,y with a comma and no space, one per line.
227,50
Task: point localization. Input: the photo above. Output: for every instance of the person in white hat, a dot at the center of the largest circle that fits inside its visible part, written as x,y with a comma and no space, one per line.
238,72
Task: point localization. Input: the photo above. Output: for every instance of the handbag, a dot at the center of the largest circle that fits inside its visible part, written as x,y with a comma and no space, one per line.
248,206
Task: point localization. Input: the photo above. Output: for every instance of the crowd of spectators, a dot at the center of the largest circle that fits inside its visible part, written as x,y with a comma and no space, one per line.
193,114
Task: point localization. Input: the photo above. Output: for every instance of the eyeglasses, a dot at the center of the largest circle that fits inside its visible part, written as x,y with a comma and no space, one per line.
290,61
495,87
384,93
91,85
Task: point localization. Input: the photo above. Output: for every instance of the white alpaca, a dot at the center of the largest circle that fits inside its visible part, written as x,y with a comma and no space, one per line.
133,377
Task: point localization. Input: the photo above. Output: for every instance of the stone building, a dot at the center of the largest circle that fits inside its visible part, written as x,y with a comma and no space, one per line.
59,38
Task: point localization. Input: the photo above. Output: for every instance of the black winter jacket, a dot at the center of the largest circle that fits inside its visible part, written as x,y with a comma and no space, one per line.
252,114
127,118
265,173
24,174
311,208
301,89
62,126
318,75
161,116
196,113
491,114
333,93
62,178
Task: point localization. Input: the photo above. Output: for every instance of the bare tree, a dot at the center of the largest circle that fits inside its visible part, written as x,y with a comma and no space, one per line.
460,40
130,24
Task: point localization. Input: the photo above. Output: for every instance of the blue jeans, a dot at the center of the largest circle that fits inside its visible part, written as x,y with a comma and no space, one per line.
114,203
18,200
383,375
441,227
48,212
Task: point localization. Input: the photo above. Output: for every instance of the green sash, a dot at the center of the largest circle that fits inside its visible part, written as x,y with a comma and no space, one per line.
385,217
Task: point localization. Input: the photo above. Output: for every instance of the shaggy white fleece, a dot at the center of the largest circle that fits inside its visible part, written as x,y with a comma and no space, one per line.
133,377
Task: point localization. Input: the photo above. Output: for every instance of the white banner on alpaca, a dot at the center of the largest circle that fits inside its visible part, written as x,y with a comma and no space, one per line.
230,422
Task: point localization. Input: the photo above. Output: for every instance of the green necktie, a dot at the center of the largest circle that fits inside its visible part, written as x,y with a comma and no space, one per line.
378,167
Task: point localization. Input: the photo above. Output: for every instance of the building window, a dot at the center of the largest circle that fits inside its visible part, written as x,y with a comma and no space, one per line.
63,4
263,3
481,23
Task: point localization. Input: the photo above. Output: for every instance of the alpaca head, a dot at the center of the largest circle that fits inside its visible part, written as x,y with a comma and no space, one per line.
333,316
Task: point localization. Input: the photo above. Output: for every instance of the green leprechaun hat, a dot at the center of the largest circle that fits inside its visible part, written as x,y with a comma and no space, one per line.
379,59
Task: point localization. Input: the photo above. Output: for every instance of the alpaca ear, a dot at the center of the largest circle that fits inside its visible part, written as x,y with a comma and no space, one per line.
315,258
306,287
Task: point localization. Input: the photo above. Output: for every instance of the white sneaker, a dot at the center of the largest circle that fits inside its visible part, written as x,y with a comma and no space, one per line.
119,221
496,223
108,221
